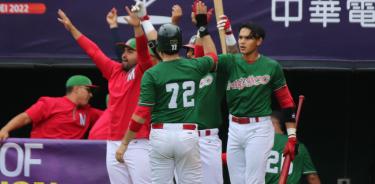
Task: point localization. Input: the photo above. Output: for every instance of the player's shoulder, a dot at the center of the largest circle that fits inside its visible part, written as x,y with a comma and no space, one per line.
230,56
50,99
269,60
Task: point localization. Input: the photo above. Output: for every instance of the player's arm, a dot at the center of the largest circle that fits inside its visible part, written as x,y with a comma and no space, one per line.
113,26
209,47
285,99
313,178
138,119
141,115
143,55
16,122
230,40
308,169
104,63
140,10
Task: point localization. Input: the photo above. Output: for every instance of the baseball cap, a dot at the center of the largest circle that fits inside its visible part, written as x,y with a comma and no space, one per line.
79,80
131,43
191,44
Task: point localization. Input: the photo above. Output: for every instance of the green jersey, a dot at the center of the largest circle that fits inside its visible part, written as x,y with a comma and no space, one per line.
171,89
210,95
250,86
302,163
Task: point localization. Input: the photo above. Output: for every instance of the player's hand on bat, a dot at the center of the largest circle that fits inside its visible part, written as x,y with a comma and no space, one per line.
64,19
139,9
132,18
291,148
3,135
112,18
224,24
120,152
176,14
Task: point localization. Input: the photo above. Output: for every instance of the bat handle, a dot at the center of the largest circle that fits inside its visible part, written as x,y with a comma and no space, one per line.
285,170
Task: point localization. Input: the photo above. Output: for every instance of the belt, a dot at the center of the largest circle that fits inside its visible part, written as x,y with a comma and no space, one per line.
247,120
208,132
184,126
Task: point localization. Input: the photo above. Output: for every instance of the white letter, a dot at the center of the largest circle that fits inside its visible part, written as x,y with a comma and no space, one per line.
28,159
3,151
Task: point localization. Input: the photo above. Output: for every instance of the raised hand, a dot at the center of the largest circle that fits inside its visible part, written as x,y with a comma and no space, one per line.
176,14
63,19
112,18
140,10
132,18
224,24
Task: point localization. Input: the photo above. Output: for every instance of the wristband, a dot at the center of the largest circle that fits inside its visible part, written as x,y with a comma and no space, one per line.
147,26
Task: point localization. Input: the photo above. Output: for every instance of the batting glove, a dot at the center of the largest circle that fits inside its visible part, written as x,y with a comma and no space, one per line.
291,147
209,12
140,10
224,24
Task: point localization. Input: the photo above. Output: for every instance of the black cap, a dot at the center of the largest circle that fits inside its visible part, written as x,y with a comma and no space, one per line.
169,39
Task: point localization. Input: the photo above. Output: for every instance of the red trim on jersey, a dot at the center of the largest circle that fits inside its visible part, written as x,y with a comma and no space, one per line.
284,97
198,51
213,56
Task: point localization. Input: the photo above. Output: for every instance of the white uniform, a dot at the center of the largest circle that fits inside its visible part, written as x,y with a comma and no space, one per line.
210,148
248,148
174,148
136,169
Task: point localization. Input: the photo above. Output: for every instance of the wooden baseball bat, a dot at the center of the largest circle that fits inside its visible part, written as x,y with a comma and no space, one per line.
286,164
219,10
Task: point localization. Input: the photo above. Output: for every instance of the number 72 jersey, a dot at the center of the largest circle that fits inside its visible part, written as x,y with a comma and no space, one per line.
171,89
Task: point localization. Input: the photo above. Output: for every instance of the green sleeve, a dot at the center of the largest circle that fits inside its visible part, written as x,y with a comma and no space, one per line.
308,166
277,78
147,96
224,62
204,64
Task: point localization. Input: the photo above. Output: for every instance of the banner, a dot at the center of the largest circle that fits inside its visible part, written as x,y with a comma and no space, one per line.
45,161
333,30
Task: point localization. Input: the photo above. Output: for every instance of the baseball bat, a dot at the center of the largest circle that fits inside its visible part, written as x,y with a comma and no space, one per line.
286,164
219,10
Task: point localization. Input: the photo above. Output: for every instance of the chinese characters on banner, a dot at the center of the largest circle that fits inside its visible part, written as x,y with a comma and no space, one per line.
325,12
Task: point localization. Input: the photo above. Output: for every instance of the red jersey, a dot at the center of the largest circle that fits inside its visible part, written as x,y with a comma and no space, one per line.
123,86
60,118
100,130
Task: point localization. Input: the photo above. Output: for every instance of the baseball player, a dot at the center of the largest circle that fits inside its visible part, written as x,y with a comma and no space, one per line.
302,164
68,117
208,113
252,79
124,86
168,92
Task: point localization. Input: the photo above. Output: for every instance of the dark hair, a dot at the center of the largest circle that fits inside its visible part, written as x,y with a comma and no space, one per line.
69,89
257,31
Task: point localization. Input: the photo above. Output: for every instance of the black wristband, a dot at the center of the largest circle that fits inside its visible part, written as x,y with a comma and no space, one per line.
153,46
203,31
289,115
201,20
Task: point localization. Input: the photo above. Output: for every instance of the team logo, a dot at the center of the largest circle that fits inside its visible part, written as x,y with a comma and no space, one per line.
131,74
206,81
155,19
82,119
249,81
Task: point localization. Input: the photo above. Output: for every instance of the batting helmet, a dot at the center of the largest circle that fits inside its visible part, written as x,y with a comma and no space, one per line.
169,39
